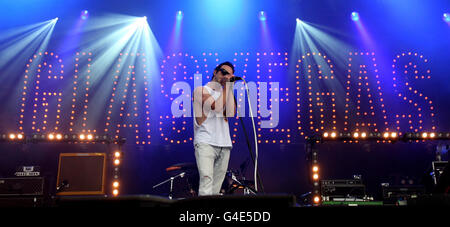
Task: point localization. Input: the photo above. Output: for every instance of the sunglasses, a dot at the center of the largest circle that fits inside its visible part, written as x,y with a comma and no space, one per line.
224,72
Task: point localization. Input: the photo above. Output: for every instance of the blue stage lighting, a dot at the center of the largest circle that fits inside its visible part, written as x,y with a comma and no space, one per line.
142,19
355,16
84,14
139,22
298,20
446,17
179,15
262,16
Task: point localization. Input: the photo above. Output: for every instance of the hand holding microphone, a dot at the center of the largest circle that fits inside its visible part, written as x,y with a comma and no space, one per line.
232,78
229,76
235,78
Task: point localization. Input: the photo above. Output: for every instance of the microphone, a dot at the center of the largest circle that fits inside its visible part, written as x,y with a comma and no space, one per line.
62,186
235,78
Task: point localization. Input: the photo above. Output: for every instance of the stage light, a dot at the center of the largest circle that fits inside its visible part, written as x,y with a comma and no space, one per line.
56,19
325,135
58,136
139,23
12,136
355,135
432,135
315,169
116,184
298,20
19,136
393,135
262,16
117,154
90,137
84,14
355,16
116,162
446,17
316,199
316,176
82,137
363,135
386,135
333,135
51,136
424,135
115,192
179,15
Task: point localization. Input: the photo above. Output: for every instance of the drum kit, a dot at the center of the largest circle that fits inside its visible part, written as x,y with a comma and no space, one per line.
183,182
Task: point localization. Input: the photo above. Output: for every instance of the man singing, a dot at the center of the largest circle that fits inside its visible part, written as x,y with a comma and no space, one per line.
213,104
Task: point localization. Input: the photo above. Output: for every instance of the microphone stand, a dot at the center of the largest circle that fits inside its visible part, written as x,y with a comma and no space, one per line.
62,186
257,176
247,189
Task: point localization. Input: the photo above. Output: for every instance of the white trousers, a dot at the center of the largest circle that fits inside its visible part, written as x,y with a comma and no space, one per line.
212,164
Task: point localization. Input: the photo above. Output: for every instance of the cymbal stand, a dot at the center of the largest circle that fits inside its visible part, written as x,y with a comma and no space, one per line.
171,183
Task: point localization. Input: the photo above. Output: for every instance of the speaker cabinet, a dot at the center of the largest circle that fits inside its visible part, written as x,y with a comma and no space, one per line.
22,186
81,174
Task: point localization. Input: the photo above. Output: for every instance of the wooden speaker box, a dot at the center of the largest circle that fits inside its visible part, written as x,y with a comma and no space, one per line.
81,174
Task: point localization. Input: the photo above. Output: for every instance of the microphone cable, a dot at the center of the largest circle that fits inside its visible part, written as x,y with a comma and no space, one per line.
254,159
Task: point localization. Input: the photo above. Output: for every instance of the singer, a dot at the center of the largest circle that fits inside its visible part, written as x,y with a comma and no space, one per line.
213,104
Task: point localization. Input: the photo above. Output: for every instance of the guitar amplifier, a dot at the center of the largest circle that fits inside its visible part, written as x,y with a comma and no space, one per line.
399,194
22,186
342,188
81,174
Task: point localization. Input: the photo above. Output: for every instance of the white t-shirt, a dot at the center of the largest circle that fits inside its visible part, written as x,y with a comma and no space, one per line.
214,130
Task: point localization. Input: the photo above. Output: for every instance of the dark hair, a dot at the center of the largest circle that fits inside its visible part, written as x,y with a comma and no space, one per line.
220,66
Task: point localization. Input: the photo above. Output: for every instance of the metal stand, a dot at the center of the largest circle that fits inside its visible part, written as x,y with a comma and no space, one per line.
171,183
311,160
247,190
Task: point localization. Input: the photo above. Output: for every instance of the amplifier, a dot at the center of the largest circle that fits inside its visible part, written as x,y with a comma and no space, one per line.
22,201
20,186
341,182
342,188
396,192
81,174
352,203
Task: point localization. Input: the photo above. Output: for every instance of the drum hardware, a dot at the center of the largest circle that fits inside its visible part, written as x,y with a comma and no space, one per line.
237,183
181,175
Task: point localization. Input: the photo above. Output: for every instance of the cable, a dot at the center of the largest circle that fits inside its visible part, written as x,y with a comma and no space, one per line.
255,175
250,151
